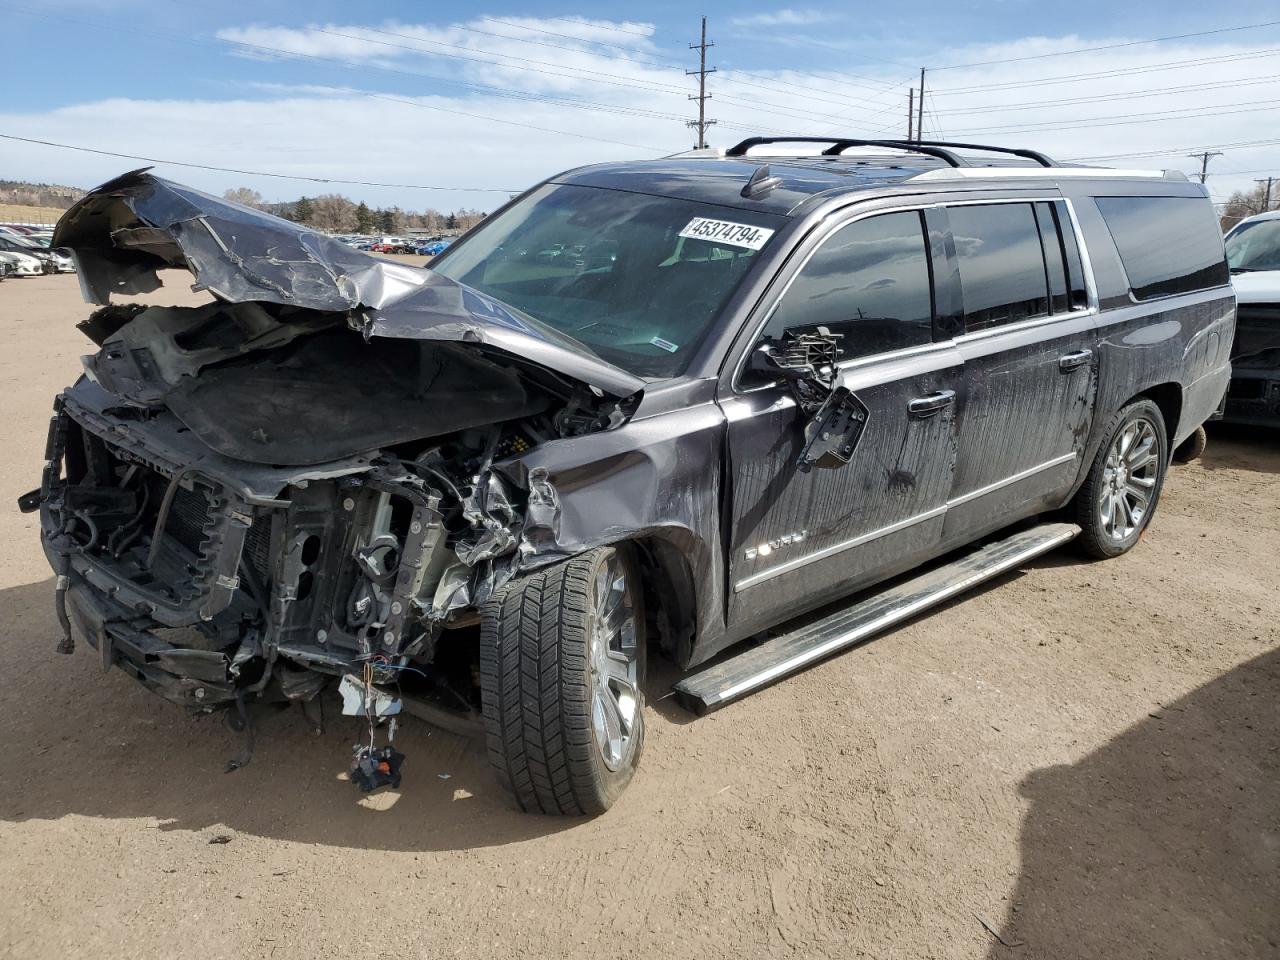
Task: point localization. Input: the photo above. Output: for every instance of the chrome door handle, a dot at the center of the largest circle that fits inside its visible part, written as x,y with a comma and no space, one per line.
1069,361
931,404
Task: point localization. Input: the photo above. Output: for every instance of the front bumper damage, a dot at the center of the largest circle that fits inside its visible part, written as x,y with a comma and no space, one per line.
307,480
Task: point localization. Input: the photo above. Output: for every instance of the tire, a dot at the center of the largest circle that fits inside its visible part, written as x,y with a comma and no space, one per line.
1191,448
556,690
1145,460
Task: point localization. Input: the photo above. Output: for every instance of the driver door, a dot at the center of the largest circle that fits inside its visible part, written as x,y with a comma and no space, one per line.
798,538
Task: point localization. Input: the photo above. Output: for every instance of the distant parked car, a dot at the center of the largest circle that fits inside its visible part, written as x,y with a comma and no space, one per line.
22,264
57,261
434,247
1253,254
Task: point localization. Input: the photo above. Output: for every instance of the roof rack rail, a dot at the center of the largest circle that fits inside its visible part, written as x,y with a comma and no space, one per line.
841,143
934,148
1035,155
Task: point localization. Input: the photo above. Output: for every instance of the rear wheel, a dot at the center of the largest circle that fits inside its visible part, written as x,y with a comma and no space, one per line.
1191,448
1123,487
562,674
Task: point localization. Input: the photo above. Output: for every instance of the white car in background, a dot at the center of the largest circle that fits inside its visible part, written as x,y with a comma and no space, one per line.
1253,254
22,265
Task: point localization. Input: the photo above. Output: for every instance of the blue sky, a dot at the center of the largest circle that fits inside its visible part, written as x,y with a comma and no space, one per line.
496,96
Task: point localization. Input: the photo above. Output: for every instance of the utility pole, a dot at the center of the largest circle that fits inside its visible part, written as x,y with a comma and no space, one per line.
1266,207
702,122
1204,159
920,108
911,114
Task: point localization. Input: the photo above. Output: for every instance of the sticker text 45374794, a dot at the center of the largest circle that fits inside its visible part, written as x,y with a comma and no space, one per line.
725,231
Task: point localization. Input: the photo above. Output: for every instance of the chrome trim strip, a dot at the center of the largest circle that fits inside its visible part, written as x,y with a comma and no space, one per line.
822,554
1034,173
831,551
1020,475
1030,324
896,615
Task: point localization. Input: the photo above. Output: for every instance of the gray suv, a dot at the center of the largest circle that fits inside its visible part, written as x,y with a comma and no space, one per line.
667,406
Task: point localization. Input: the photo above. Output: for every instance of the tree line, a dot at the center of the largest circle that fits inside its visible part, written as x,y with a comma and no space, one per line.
1246,203
338,214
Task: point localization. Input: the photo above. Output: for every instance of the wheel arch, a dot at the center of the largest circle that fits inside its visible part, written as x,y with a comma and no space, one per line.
1168,399
667,582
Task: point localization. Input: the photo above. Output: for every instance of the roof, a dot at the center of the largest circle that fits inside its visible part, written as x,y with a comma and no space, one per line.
720,180
711,178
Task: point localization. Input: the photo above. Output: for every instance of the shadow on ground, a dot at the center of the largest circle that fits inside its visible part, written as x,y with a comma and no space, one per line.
1167,838
84,743
1236,446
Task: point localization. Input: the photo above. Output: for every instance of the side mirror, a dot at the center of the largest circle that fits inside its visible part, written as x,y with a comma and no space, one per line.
834,417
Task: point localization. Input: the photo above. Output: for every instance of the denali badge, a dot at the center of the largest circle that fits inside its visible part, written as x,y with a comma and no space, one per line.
764,549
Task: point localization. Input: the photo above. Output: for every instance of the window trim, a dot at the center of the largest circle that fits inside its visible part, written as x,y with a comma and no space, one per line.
822,232
1086,266
1124,267
821,235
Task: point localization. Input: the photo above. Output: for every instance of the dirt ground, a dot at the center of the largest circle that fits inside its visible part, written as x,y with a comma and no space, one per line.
1080,761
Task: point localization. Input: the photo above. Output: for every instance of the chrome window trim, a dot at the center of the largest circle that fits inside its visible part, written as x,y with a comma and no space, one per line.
835,223
838,223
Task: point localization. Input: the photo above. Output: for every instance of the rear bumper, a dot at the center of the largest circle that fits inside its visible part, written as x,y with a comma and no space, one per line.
1254,398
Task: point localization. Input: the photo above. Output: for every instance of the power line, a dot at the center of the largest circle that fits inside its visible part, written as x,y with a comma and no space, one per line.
1106,74
1109,98
601,26
1171,151
1112,46
250,173
1215,110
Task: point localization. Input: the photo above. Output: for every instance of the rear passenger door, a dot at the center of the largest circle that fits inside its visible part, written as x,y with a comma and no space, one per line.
1029,351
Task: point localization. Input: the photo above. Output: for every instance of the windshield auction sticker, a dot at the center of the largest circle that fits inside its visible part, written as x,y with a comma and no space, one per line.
723,231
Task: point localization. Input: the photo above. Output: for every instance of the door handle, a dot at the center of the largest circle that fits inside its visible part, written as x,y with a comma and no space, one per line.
931,404
1069,361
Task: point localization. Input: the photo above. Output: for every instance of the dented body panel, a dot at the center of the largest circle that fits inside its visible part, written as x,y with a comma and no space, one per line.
342,459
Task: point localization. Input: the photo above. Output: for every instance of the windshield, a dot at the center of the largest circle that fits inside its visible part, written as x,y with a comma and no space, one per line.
637,279
1254,246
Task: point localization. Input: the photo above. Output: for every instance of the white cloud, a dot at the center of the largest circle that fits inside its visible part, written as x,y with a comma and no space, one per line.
785,17
491,121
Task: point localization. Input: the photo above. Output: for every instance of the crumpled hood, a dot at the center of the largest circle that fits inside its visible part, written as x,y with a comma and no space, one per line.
126,230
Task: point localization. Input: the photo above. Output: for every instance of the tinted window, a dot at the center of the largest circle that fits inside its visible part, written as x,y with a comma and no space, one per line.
1002,272
869,283
1254,246
1168,245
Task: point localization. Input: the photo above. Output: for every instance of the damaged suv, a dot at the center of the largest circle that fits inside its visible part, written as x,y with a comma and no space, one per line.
668,404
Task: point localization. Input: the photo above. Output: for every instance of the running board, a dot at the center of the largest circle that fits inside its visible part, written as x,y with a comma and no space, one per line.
789,653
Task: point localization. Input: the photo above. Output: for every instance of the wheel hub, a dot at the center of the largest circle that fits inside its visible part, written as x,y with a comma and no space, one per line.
614,663
1129,479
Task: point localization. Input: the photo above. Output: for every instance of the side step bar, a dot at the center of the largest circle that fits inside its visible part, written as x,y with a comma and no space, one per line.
789,653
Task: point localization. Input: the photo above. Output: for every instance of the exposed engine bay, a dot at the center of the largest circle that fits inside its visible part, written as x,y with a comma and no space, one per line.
295,483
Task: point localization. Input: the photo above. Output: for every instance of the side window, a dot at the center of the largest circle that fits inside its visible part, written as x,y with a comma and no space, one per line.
1168,245
1061,257
1002,268
868,283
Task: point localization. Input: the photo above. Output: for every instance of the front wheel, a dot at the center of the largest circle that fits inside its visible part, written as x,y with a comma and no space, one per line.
562,663
1123,486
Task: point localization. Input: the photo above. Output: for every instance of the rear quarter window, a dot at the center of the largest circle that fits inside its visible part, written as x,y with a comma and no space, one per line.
1168,245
